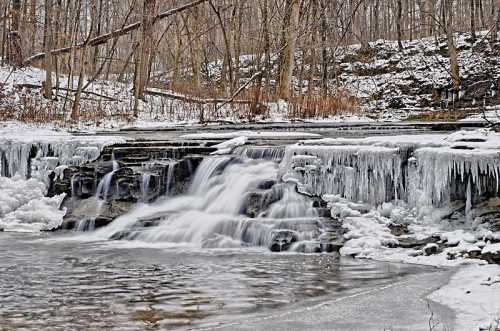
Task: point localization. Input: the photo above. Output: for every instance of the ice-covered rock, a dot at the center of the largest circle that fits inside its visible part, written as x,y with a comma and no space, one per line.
424,171
228,146
34,152
24,207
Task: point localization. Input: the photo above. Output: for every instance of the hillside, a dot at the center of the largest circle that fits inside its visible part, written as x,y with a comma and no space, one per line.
376,84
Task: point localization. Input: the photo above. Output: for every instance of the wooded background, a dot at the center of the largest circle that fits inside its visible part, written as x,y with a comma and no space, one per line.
175,44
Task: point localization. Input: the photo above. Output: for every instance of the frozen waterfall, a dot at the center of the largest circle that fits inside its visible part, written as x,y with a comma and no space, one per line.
383,171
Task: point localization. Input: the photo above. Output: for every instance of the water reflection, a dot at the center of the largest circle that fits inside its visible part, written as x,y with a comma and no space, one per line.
61,285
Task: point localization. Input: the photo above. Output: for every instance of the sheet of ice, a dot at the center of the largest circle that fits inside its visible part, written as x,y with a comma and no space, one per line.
250,134
24,207
474,293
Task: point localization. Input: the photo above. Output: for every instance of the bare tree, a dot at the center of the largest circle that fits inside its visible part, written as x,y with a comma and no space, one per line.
287,58
452,49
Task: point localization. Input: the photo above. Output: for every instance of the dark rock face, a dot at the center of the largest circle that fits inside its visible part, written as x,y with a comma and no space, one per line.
281,240
124,175
258,201
491,257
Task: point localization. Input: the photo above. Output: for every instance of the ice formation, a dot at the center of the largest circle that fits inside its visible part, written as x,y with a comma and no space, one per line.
423,172
24,207
36,152
27,157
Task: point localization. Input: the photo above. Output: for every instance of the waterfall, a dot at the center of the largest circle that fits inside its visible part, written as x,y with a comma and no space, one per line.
211,214
86,225
146,178
170,178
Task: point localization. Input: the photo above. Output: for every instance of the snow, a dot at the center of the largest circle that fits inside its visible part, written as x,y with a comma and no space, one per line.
250,134
491,248
24,207
46,148
228,146
474,293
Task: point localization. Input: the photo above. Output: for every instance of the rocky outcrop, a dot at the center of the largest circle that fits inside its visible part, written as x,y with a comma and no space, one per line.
123,175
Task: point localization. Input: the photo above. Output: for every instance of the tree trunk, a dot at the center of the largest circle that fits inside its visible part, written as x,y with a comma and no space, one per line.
399,10
473,21
14,48
288,62
495,16
452,50
48,47
228,63
195,48
146,43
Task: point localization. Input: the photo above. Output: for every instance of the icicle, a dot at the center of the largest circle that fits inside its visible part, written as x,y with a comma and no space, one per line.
468,202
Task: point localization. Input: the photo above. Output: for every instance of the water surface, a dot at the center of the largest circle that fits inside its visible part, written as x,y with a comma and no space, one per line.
52,284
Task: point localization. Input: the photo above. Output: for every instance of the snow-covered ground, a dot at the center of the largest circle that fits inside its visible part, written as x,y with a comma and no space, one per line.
474,294
388,84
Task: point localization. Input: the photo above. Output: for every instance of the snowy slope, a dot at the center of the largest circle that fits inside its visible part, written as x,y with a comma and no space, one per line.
389,85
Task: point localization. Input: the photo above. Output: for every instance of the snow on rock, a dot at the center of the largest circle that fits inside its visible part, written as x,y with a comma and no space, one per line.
250,135
366,234
24,207
474,294
32,151
491,248
228,146
422,170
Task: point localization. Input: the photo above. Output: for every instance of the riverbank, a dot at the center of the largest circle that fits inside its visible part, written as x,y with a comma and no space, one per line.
278,167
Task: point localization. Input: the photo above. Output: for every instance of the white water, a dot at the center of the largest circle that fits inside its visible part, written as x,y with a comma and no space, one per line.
210,215
170,178
146,178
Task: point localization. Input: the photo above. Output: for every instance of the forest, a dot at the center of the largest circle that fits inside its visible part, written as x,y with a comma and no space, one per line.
242,53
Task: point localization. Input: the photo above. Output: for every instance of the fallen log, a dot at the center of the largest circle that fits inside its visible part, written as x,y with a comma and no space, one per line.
34,86
189,99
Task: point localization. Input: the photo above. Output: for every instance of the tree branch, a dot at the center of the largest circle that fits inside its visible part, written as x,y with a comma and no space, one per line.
99,40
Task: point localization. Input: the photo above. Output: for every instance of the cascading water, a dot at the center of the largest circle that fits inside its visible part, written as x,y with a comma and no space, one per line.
170,178
104,185
212,214
86,225
146,178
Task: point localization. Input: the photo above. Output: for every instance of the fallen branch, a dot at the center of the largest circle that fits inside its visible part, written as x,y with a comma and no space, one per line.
186,98
102,39
34,86
494,125
241,89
